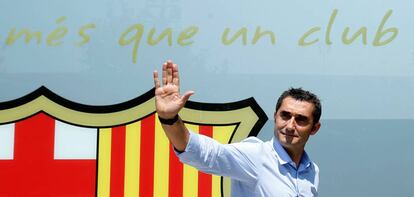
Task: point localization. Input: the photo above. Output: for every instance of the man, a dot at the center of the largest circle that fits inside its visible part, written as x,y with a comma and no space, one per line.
279,167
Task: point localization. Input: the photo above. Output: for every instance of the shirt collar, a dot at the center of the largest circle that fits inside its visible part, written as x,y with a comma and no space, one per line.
284,157
305,161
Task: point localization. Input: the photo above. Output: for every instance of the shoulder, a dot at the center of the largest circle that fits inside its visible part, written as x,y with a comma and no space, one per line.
253,140
250,142
250,146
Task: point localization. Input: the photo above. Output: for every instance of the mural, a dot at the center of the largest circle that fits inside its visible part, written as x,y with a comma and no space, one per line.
98,56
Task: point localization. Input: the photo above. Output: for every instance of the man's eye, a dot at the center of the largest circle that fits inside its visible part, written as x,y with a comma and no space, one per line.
302,120
285,116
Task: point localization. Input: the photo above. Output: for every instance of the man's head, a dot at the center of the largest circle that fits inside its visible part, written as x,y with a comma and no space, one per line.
302,95
296,117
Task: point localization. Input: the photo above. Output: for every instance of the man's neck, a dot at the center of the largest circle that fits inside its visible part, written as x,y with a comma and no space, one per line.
295,154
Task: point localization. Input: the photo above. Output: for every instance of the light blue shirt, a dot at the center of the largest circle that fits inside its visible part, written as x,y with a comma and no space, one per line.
256,168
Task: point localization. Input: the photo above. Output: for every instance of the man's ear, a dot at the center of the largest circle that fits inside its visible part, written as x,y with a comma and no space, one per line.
315,128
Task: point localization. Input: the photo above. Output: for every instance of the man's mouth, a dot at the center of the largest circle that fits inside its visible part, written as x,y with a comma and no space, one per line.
288,134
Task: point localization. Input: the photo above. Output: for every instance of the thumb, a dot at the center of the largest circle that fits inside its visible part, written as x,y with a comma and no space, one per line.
186,96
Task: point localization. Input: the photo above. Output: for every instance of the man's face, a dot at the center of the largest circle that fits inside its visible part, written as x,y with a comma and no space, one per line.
294,123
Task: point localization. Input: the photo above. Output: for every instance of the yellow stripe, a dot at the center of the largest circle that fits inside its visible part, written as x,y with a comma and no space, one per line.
216,190
190,179
161,161
132,159
222,134
104,162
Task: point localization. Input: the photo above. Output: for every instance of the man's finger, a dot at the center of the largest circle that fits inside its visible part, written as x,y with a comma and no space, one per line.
176,77
164,74
156,81
186,96
169,72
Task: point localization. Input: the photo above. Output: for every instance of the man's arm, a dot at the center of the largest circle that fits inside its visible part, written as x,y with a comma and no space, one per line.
168,102
203,153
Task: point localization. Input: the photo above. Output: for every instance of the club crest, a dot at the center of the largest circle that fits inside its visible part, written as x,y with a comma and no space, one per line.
50,146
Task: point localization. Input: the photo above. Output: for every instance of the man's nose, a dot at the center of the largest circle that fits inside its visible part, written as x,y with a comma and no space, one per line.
291,124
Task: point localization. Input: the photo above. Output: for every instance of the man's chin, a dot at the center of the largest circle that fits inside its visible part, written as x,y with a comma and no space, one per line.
286,141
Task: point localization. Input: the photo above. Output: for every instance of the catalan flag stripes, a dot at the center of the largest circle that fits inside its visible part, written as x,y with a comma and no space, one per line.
146,168
161,162
190,174
137,160
117,161
104,162
204,180
132,159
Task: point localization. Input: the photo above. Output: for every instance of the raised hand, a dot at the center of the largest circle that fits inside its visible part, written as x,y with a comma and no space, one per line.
168,101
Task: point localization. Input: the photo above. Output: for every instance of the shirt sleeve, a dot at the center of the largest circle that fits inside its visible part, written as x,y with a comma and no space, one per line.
210,156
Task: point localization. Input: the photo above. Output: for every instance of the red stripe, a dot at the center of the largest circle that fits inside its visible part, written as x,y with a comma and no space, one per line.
34,145
146,178
27,133
205,180
117,161
175,181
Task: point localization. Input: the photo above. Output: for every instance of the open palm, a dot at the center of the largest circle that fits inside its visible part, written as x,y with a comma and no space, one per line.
168,101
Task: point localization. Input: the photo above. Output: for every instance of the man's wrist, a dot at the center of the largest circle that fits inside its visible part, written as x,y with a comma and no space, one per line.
170,121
